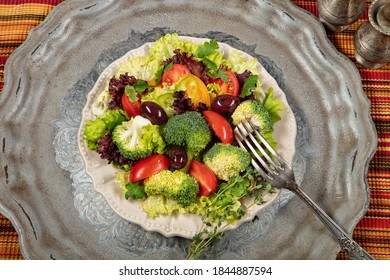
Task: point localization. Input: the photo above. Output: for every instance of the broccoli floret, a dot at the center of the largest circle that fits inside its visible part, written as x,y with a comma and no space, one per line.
254,111
189,130
175,185
138,138
226,160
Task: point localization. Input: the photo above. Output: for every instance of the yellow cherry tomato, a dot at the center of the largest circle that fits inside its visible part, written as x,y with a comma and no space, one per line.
195,89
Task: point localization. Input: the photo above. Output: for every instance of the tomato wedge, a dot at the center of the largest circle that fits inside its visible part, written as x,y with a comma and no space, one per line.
232,87
220,126
195,89
131,108
148,166
175,73
204,176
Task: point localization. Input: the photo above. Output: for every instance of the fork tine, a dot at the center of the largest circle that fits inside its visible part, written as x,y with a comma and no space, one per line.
265,170
281,161
274,165
241,140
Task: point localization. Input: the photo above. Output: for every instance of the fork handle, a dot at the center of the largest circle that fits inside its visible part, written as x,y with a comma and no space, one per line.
354,250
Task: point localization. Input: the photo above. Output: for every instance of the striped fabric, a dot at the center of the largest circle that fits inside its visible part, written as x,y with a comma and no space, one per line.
372,232
17,17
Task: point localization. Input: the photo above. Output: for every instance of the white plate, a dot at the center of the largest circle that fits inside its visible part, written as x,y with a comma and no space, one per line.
186,225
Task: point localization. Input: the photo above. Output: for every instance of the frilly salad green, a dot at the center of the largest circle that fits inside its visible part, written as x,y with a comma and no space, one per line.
166,121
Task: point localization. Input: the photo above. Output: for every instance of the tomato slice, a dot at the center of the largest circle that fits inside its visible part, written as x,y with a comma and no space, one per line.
204,176
131,108
175,73
148,166
232,87
220,126
195,89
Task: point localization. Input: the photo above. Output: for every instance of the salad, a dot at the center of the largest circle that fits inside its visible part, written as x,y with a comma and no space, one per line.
165,121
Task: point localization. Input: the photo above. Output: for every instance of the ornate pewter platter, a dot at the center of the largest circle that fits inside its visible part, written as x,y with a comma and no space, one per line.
50,199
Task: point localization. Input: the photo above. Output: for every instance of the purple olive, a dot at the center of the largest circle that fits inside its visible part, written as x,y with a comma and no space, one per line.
224,104
153,112
177,157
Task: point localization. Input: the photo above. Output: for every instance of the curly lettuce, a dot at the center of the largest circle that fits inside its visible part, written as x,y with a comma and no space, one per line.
164,47
156,205
273,105
101,126
238,62
142,67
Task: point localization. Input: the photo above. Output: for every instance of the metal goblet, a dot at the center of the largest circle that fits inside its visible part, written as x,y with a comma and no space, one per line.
372,38
338,15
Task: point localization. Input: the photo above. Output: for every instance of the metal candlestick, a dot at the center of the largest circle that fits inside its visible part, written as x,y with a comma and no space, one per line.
338,15
372,38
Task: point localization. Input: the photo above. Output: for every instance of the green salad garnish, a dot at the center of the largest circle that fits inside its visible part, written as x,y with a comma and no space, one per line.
166,121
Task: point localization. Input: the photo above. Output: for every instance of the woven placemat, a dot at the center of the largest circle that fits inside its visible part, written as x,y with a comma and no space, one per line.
372,232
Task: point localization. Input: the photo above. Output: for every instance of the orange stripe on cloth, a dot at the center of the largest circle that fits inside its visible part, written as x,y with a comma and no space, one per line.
9,245
17,18
24,9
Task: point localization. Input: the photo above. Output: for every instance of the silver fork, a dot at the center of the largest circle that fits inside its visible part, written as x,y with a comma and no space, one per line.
276,171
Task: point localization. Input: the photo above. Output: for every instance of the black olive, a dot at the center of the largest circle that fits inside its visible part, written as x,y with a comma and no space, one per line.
177,157
153,112
224,104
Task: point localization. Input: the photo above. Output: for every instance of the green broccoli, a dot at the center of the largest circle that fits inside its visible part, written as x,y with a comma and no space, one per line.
189,130
175,185
226,160
100,126
138,138
254,111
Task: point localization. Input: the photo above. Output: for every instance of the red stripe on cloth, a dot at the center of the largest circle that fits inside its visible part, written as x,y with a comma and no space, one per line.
381,223
20,2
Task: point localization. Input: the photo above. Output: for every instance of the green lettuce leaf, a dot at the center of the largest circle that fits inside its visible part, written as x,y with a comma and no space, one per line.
151,138
94,130
273,105
164,47
156,205
100,126
239,63
141,67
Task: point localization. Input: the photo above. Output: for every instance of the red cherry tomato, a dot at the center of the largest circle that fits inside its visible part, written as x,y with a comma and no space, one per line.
148,166
231,87
204,176
175,73
220,126
131,108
